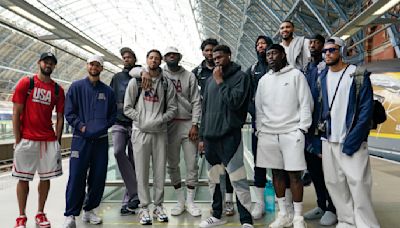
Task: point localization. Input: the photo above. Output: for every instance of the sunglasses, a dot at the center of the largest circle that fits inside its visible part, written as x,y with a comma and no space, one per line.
330,50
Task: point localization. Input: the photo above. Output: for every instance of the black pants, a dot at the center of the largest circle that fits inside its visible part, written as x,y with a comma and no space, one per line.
260,174
314,166
221,150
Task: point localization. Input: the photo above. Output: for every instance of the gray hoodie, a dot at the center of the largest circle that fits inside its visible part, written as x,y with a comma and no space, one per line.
187,94
148,114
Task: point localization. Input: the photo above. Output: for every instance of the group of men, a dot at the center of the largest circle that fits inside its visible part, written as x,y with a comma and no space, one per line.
296,100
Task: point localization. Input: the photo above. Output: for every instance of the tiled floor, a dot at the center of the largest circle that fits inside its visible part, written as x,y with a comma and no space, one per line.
386,197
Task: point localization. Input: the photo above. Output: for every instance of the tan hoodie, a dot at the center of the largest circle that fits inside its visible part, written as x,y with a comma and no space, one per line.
187,93
148,114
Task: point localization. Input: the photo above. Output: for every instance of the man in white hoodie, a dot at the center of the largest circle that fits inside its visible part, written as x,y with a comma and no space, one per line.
184,131
283,115
150,107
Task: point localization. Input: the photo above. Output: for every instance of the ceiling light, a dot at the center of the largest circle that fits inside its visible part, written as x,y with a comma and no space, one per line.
344,37
90,49
31,17
386,7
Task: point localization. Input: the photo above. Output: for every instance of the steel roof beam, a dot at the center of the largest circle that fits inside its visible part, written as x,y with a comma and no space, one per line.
318,16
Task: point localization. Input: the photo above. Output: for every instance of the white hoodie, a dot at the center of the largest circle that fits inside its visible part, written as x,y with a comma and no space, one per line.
283,102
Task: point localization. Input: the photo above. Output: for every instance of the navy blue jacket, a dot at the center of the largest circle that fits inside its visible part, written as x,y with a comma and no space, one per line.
358,117
90,106
313,140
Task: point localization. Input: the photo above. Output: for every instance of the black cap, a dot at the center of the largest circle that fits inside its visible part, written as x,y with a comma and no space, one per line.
276,47
126,49
48,55
317,37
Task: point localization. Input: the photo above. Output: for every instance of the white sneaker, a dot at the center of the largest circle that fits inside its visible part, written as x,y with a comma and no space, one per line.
247,225
211,222
298,222
328,219
193,209
315,213
178,209
281,221
144,216
159,213
258,211
91,217
69,222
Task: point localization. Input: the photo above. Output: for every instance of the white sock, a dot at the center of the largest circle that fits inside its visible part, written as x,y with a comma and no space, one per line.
229,197
282,205
298,208
288,196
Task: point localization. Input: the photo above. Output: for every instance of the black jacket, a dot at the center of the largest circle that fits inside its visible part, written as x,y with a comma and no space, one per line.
225,105
118,83
255,72
202,73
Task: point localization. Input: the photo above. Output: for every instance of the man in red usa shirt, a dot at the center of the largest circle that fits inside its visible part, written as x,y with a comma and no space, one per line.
37,146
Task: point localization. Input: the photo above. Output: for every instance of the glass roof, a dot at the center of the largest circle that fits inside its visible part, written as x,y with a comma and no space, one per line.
141,25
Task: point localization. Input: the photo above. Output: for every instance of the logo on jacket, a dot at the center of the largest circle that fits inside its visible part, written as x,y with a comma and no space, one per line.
101,96
41,96
178,85
150,95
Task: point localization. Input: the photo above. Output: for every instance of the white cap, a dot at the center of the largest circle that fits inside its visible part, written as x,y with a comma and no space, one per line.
95,58
336,40
171,49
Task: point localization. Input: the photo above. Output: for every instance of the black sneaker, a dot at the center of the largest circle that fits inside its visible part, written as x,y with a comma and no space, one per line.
133,205
125,211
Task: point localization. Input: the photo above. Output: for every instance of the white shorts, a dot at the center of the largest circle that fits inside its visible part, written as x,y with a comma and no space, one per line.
41,156
281,151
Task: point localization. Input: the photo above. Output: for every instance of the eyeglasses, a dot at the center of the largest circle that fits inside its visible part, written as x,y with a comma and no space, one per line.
330,50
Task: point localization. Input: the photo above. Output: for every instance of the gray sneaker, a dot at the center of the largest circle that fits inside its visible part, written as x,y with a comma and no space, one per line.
328,219
315,213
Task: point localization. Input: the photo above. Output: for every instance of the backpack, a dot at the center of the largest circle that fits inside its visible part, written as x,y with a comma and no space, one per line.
32,85
165,88
378,113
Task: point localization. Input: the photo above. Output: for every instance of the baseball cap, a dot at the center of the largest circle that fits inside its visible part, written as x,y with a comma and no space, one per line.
336,40
317,37
126,49
95,58
277,47
48,55
171,50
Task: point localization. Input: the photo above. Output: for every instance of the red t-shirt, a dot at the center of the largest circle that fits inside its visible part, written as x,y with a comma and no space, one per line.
36,119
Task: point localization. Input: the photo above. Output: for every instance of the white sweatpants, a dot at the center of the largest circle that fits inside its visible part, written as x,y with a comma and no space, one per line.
178,131
146,146
348,180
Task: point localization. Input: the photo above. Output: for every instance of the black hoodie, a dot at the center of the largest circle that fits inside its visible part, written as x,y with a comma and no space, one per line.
260,69
225,105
